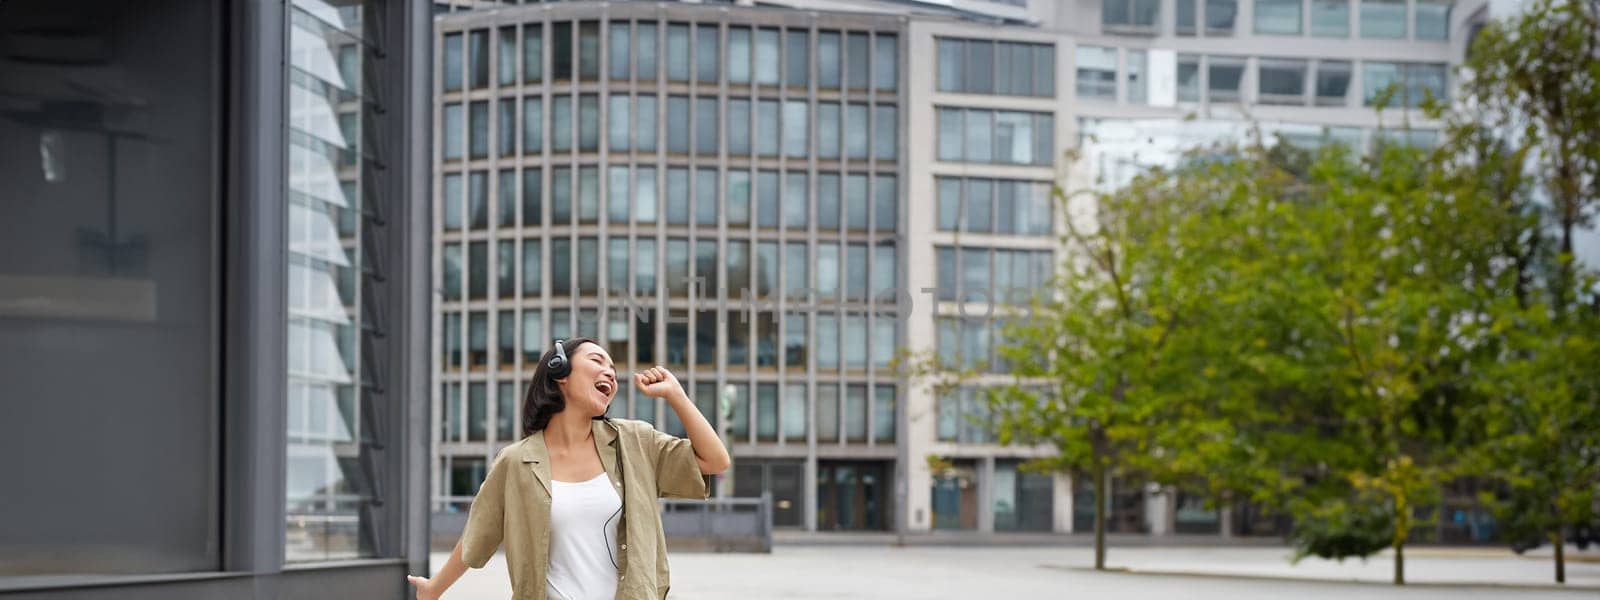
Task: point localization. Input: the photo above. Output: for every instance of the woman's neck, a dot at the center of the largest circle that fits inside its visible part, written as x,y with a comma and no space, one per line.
567,430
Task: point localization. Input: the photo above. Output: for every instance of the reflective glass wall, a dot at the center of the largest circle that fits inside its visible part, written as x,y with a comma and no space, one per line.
715,192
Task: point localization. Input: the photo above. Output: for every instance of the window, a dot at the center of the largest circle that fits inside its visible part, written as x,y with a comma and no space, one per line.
828,272
1222,79
706,56
532,125
1412,82
796,203
796,128
506,337
1433,19
797,66
478,200
767,199
478,132
984,66
1006,137
618,124
532,336
827,413
1278,16
795,267
477,340
621,39
827,348
561,123
856,202
678,124
588,195
855,131
705,198
452,62
589,50
506,69
506,198
1138,86
561,267
883,275
1220,15
617,272
677,264
1281,81
767,128
705,268
738,127
884,140
1024,207
855,342
767,56
532,53
705,126
532,281
678,52
532,197
766,269
855,289
738,55
644,271
588,123
738,198
1184,20
561,51
677,196
828,128
1097,72
829,57
454,138
506,126
452,272
855,413
1139,15
885,59
644,198
828,201
478,58
794,341
645,130
856,61
506,268
1330,18
885,202
646,64
1383,19
883,409
767,412
1333,83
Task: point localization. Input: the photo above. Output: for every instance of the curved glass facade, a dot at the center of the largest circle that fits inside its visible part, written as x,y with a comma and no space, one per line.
716,192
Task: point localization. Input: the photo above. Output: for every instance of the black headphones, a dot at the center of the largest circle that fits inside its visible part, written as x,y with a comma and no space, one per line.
558,365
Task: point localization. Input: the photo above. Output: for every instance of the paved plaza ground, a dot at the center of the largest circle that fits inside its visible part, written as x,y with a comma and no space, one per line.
939,572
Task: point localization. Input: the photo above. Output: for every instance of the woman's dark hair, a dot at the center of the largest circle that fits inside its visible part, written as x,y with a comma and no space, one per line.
543,398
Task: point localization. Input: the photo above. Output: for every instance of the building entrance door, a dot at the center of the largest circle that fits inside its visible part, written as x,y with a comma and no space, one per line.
853,495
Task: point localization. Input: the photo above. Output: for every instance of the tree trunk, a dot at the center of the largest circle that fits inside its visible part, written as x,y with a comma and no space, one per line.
1400,563
1561,555
1099,514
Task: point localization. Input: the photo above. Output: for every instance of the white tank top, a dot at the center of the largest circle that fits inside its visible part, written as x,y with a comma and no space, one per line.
583,540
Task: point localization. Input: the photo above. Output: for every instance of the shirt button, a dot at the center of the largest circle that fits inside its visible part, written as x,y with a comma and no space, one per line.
624,546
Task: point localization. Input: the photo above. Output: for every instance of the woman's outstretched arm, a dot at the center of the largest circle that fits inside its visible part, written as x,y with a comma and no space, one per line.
432,589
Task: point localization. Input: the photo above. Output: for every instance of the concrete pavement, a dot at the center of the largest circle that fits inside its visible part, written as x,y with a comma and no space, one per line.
880,572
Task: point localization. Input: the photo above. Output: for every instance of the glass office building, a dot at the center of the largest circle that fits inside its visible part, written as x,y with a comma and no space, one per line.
878,176
713,191
213,308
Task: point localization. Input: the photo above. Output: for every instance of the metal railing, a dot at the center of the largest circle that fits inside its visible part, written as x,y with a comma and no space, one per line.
719,524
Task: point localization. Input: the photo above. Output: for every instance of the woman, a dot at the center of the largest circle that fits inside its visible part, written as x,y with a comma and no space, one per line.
574,502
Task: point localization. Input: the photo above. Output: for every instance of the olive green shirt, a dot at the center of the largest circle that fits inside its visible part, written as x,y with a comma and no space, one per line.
512,507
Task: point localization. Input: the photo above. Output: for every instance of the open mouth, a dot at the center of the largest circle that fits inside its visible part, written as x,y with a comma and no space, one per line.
605,388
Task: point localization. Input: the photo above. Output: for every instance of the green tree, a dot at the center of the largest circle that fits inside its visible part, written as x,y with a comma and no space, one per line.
1527,133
